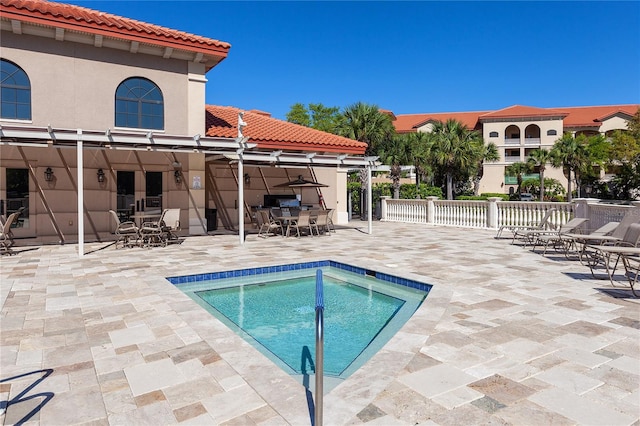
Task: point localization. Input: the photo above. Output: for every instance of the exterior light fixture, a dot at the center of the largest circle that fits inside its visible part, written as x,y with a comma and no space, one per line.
177,176
48,174
100,176
247,179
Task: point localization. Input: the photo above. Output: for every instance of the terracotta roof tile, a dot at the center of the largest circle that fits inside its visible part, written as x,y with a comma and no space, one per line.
93,21
405,123
271,133
594,115
521,111
590,116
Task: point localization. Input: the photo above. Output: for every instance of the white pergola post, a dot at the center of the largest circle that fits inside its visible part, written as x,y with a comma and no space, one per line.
241,125
80,170
369,200
240,199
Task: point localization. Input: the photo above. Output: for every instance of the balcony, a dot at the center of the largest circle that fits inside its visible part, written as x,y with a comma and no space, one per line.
511,158
532,141
512,141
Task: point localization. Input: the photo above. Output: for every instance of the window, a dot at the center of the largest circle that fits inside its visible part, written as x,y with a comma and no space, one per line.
493,134
153,190
126,194
551,133
17,195
15,97
139,104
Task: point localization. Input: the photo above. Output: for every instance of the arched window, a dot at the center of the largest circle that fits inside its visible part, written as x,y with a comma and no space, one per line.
15,98
551,132
139,104
493,134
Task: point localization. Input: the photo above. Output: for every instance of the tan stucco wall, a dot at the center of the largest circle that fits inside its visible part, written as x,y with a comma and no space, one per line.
73,85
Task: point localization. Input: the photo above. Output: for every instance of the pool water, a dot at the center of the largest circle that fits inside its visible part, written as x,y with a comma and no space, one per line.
275,312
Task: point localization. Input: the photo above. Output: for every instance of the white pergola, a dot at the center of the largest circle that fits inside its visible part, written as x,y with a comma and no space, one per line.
233,149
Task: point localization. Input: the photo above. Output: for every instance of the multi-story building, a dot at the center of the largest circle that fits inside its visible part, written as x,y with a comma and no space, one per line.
101,112
518,130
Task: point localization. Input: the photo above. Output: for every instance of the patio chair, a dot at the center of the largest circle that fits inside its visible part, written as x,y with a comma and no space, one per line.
127,233
603,254
6,235
153,233
554,238
267,224
171,224
302,222
322,222
519,230
330,226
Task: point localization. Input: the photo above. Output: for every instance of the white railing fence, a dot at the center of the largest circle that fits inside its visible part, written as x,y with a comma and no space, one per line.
495,213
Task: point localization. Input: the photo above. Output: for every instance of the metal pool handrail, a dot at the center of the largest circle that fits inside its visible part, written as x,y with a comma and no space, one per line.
319,348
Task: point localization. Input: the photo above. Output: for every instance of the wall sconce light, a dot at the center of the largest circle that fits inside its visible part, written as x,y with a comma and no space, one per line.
178,176
247,179
100,175
48,174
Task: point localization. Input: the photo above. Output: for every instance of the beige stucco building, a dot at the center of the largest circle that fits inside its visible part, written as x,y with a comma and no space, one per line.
518,130
100,112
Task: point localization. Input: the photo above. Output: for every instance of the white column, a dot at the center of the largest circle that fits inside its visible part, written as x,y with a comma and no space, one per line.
492,212
80,171
369,200
240,200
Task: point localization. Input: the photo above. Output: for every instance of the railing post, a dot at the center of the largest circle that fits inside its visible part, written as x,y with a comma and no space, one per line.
383,207
319,375
431,210
492,212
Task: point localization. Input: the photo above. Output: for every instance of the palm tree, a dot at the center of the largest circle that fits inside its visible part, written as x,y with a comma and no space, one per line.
396,153
488,152
365,123
453,149
571,155
419,147
539,158
518,169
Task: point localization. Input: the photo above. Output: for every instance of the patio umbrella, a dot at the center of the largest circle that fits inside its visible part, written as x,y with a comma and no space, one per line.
301,183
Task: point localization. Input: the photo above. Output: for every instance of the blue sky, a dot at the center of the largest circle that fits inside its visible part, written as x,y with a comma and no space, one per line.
410,57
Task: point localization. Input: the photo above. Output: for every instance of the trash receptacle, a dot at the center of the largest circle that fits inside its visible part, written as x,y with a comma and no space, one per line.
212,219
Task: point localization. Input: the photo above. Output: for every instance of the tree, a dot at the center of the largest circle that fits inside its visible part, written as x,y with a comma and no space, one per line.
365,123
299,114
570,154
539,158
453,149
518,169
419,148
316,116
485,152
395,153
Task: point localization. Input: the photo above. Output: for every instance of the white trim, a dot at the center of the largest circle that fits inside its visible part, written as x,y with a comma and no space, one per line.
112,139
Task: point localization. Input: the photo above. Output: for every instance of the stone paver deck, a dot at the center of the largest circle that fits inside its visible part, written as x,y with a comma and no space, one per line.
506,336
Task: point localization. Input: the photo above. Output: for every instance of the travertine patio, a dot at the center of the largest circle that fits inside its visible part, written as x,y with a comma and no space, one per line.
505,337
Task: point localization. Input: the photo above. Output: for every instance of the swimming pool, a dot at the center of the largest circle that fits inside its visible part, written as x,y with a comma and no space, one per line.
273,308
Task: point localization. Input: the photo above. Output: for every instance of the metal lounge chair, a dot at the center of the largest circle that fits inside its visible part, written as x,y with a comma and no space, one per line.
520,231
127,233
603,255
546,238
565,241
609,239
